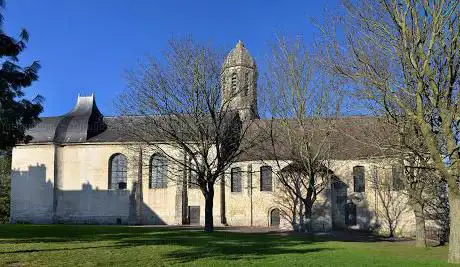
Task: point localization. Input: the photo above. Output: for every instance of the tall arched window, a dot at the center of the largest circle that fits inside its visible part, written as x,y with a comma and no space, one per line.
118,172
359,179
275,217
265,178
158,171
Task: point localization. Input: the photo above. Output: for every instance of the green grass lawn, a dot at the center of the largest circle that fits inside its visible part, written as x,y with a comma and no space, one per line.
83,245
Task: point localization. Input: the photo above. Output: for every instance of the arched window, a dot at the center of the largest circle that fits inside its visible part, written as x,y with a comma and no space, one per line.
118,172
265,178
158,171
359,179
275,218
234,78
236,184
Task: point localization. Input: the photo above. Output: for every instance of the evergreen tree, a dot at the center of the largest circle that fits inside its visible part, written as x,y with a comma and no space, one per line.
16,113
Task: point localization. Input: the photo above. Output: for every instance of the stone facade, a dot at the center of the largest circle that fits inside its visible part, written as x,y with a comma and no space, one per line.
75,179
55,181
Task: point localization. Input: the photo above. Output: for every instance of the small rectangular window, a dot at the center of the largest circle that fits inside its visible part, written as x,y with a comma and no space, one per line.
235,180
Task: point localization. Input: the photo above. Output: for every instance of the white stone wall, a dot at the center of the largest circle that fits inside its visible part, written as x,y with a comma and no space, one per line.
32,180
84,197
244,207
251,206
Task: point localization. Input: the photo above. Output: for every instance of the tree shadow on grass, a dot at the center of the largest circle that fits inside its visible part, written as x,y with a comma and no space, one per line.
348,235
224,245
28,233
185,245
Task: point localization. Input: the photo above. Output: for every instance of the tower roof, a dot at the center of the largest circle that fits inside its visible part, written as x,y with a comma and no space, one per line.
239,56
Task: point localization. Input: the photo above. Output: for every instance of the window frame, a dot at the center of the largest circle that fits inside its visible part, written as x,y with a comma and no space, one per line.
123,172
165,165
269,169
238,174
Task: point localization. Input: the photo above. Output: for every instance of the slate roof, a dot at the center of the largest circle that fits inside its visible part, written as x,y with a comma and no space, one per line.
353,137
350,137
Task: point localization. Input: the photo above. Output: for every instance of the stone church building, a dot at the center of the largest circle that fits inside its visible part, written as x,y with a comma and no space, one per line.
78,168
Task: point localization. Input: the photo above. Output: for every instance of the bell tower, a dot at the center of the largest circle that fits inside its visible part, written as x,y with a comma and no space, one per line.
239,82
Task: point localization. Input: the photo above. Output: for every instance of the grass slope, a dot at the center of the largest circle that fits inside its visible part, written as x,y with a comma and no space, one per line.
83,245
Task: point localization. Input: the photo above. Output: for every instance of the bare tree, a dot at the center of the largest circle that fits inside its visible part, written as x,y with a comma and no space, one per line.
406,56
427,193
416,165
302,110
175,105
419,173
392,204
290,204
437,210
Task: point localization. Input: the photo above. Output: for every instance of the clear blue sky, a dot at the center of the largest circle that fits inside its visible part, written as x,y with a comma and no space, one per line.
85,46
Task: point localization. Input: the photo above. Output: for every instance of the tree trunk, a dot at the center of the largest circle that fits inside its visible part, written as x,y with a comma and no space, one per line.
454,237
294,212
308,215
223,217
392,231
208,215
420,238
301,227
